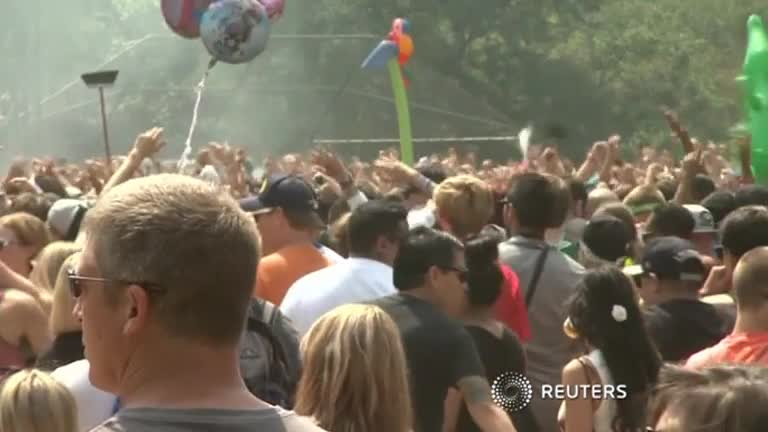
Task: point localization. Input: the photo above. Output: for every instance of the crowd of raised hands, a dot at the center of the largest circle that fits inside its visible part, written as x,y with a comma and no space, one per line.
603,165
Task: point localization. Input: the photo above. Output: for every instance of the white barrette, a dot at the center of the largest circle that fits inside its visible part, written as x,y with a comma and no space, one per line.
619,313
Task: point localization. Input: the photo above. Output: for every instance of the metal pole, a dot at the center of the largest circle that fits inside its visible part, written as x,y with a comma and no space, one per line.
107,149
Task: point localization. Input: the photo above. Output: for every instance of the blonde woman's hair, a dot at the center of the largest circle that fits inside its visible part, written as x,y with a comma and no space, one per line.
29,230
466,203
32,401
355,373
49,262
62,320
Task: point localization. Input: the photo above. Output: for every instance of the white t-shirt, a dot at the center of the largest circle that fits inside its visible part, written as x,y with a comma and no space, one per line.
352,281
331,254
94,406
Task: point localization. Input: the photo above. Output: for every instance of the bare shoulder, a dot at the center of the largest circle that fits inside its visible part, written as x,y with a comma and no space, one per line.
576,372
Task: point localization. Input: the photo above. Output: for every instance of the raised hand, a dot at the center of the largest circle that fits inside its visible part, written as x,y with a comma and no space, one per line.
149,143
331,165
394,170
674,123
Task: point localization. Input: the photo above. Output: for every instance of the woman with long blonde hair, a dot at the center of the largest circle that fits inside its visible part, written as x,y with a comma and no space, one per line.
67,344
48,262
46,268
355,373
32,401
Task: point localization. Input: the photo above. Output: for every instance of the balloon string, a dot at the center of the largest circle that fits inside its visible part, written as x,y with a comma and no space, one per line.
186,156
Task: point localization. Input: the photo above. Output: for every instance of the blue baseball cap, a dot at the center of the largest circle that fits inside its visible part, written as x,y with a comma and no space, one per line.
287,192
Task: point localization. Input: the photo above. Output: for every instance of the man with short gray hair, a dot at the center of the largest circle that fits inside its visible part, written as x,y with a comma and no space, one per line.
162,289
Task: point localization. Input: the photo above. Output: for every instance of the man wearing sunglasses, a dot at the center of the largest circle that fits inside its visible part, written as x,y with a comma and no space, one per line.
162,287
430,273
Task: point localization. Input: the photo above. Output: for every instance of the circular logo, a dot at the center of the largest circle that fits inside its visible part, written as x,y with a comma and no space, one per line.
512,391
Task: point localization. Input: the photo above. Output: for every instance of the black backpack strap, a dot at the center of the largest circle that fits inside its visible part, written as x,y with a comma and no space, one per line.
264,327
537,270
270,314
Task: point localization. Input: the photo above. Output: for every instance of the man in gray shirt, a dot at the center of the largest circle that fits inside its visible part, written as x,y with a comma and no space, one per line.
162,288
547,278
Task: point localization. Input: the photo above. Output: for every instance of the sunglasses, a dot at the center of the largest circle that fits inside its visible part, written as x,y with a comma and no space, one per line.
461,274
76,288
262,213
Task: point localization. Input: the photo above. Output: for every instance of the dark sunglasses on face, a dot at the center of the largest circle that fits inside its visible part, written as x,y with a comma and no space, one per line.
259,215
76,288
461,274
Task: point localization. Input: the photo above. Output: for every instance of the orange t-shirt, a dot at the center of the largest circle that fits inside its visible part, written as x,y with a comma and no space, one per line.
278,271
735,348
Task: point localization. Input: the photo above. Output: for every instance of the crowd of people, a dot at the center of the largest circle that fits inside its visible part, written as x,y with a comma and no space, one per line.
316,293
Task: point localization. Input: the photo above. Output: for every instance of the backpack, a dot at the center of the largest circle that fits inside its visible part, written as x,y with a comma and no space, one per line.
264,363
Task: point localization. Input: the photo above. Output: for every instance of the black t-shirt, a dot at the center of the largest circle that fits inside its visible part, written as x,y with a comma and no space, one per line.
499,356
439,350
683,327
67,348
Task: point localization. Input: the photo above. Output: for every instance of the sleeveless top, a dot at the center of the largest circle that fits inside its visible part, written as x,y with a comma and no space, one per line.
603,417
12,357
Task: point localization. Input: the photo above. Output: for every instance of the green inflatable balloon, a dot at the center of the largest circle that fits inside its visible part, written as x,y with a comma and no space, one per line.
756,79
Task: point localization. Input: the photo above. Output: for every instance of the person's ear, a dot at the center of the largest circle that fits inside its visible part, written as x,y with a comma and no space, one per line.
729,260
136,309
442,220
433,276
280,215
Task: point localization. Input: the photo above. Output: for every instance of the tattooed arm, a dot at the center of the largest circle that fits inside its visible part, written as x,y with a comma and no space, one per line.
486,414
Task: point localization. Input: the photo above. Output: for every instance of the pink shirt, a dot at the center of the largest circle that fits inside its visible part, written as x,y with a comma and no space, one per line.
735,348
510,306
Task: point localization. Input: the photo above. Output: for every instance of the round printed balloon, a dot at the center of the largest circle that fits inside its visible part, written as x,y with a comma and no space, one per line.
235,31
274,8
183,16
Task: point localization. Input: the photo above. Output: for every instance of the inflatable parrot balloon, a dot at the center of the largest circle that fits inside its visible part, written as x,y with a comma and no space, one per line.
756,81
398,44
394,52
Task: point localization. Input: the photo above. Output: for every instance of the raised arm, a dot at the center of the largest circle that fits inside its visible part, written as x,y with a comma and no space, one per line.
146,145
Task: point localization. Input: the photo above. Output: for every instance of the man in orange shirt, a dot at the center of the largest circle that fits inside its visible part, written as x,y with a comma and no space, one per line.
286,214
749,341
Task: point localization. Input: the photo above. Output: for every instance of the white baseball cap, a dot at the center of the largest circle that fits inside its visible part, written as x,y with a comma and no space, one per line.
705,223
65,217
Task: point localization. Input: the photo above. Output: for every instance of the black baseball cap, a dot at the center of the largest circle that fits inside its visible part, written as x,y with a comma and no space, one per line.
670,258
607,237
288,192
